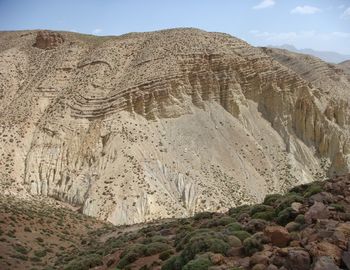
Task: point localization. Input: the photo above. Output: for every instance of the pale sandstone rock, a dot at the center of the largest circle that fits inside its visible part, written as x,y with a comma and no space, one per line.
163,124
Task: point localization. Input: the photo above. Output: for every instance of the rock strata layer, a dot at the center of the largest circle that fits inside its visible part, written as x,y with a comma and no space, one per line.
164,124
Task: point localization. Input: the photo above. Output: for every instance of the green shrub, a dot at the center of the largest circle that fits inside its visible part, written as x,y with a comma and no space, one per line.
285,216
234,212
252,245
21,249
300,219
155,238
85,263
198,264
271,199
234,241
260,208
186,236
181,233
174,263
131,254
268,215
234,226
223,221
312,189
203,215
241,235
156,247
113,243
40,253
206,244
287,200
166,254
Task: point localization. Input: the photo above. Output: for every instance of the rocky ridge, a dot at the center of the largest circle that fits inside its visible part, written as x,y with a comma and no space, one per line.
164,124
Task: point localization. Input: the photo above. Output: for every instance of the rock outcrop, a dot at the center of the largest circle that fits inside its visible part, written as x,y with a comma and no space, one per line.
48,40
163,124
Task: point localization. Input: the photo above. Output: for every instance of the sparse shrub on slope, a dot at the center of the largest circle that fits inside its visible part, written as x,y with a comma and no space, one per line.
198,264
242,235
85,263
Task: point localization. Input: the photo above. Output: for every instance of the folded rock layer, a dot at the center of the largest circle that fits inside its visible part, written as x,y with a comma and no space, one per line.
165,124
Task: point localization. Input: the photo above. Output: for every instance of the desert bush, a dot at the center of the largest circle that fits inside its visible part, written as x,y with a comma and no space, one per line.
40,253
174,263
234,226
236,211
252,245
285,216
155,247
223,221
111,244
241,235
182,232
21,249
131,254
85,263
300,219
314,188
155,238
287,200
234,241
271,199
259,208
267,215
166,254
199,245
198,264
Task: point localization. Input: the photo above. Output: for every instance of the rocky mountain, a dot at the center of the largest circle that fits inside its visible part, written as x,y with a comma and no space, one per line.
164,124
331,57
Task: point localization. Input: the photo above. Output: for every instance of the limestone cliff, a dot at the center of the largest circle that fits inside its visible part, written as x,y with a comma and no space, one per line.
163,124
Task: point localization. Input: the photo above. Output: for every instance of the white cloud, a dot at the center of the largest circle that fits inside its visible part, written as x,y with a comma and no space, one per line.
305,10
346,14
96,31
265,4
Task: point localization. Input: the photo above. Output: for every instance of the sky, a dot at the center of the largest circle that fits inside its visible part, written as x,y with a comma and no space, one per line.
316,24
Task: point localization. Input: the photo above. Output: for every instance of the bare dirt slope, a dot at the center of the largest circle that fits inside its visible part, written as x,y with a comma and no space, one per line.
164,124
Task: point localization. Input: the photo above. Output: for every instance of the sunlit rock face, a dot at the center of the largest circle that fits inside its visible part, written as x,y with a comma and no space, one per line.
165,124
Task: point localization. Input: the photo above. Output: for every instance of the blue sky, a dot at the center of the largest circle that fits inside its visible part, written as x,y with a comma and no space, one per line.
316,24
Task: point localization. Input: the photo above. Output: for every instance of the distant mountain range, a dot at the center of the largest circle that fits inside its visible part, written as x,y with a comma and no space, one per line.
331,57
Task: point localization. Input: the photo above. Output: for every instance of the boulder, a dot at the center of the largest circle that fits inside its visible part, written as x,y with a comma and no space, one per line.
297,259
259,258
317,211
346,259
216,258
296,206
48,40
325,263
324,197
278,235
272,267
325,248
259,267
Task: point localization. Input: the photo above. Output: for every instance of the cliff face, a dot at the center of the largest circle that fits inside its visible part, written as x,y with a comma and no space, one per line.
163,124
